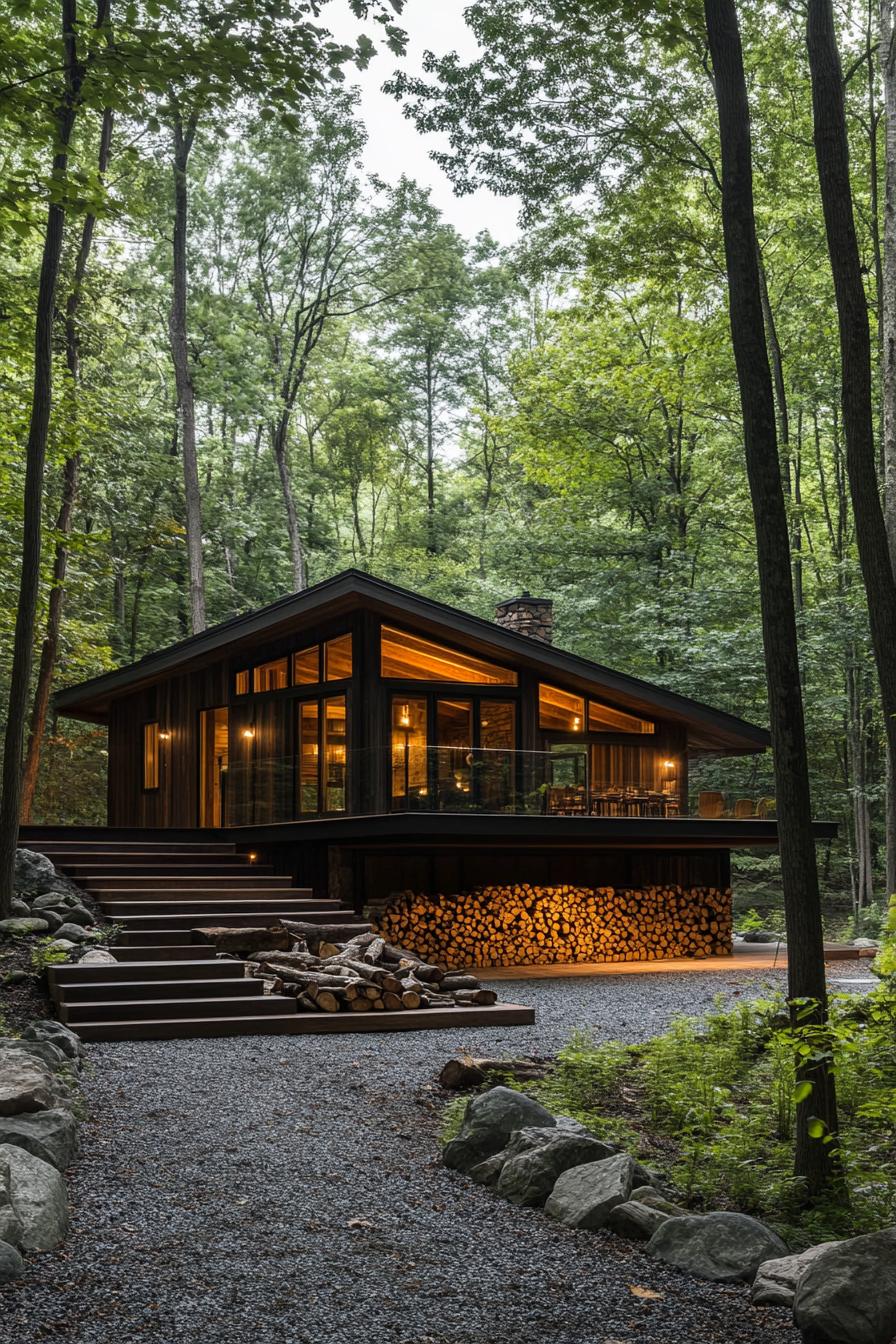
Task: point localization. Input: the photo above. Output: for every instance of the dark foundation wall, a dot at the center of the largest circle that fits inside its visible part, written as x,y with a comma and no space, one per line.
381,874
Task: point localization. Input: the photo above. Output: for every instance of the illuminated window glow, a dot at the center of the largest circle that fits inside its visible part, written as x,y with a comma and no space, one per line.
411,658
560,711
603,719
273,676
338,658
150,755
306,666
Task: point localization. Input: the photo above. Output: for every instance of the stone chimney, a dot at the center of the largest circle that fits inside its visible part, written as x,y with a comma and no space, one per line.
532,616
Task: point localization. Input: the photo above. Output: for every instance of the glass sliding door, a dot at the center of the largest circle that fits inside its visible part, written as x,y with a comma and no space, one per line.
309,758
454,757
410,785
214,752
496,782
335,759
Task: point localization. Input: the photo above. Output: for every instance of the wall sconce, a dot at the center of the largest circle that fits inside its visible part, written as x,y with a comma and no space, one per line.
248,734
576,723
668,765
404,718
164,737
252,856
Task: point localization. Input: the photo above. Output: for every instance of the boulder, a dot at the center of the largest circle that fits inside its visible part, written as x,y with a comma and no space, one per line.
655,1199
22,926
14,978
45,1029
35,876
78,914
11,1263
61,945
45,1051
75,933
528,1178
17,907
10,1223
38,1197
54,920
97,956
57,900
26,1084
776,1280
847,1295
585,1196
521,1141
50,1135
763,936
634,1220
489,1120
721,1247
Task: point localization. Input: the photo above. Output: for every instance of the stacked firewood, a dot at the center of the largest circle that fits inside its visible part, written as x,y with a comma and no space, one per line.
360,974
528,925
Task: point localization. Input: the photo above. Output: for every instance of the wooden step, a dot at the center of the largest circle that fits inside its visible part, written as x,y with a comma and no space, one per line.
222,987
130,938
115,909
294,1024
201,967
126,1010
130,847
250,917
190,882
249,899
151,869
186,951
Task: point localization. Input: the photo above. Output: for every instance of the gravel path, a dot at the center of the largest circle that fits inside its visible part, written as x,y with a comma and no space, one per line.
220,1181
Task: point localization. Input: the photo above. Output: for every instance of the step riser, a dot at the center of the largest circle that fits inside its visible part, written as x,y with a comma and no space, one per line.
176,1008
245,919
52,848
117,909
185,951
150,870
114,991
200,968
244,882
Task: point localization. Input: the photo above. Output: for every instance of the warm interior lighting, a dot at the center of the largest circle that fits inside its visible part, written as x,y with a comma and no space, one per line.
560,711
410,658
604,719
272,676
404,718
252,857
670,765
241,682
164,737
248,734
338,658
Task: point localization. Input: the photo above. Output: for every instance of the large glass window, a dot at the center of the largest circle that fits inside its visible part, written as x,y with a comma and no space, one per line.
335,754
409,756
214,750
309,758
306,666
150,755
560,711
338,658
497,725
411,658
604,719
640,769
272,676
241,682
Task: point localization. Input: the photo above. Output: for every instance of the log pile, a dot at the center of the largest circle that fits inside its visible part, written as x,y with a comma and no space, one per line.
360,974
527,925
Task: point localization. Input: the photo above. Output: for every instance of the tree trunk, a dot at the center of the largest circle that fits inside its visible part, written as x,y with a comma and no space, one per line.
296,550
70,473
184,134
888,358
35,457
832,157
806,973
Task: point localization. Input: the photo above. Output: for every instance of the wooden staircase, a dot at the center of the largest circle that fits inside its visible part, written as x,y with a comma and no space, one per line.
166,982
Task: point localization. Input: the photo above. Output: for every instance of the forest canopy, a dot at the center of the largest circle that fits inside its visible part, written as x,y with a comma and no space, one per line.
356,383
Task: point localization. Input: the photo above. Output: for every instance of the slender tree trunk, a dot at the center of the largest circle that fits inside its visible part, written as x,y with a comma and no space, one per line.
832,157
888,358
70,474
35,458
184,134
806,976
296,549
430,458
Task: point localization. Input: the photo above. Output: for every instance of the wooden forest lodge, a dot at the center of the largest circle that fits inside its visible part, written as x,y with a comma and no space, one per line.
356,741
387,741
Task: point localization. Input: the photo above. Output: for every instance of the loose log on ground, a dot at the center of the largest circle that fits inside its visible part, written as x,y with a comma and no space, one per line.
467,1071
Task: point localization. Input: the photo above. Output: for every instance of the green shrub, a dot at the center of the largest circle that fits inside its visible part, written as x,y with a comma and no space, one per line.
43,955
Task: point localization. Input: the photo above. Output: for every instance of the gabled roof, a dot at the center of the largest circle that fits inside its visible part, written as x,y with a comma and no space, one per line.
710,729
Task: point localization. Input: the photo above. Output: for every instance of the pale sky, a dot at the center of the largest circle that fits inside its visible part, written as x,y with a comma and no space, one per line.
394,145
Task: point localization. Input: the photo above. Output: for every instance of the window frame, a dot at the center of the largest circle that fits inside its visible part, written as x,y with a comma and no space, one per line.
157,758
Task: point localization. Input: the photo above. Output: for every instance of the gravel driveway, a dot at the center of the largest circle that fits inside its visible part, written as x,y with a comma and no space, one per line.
284,1190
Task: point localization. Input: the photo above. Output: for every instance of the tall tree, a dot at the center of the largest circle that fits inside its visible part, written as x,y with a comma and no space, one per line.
888,354
802,906
72,68
875,558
